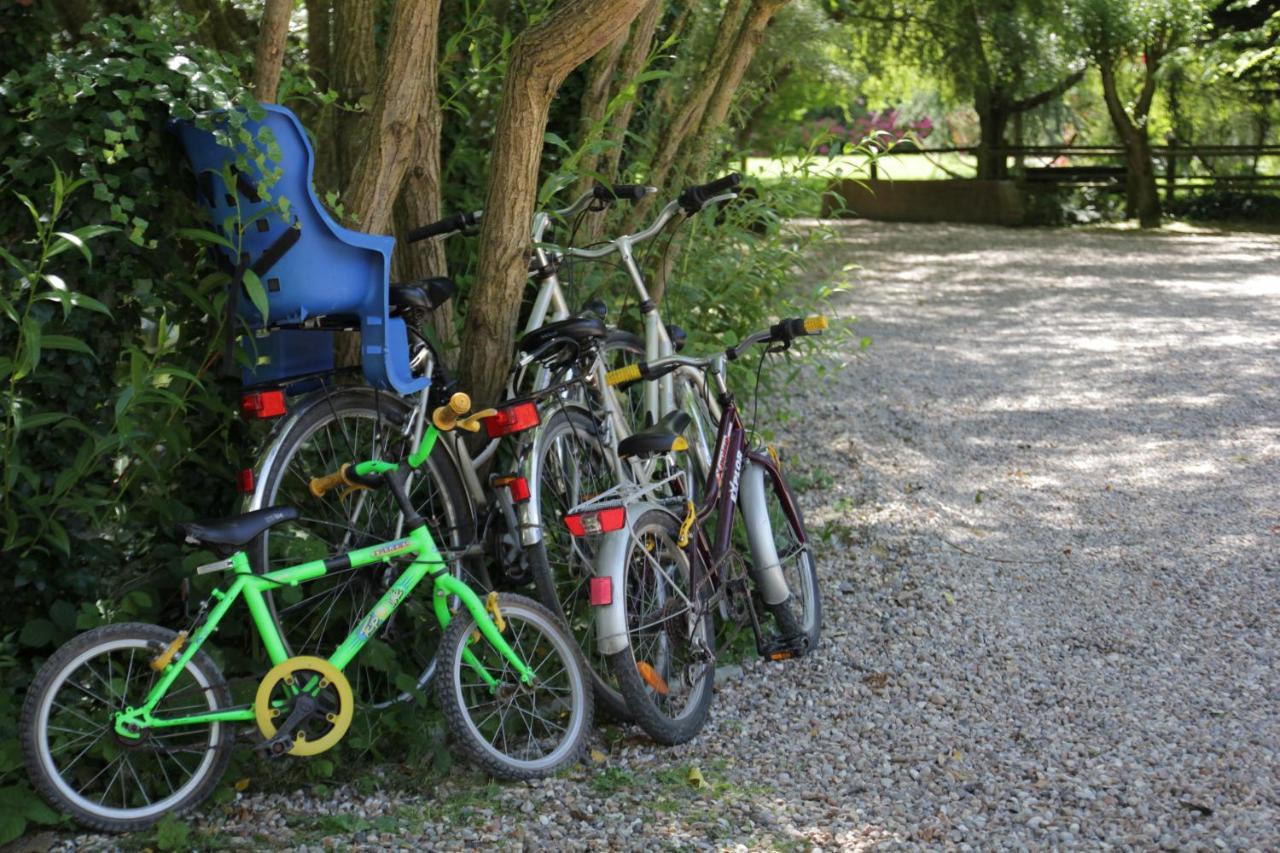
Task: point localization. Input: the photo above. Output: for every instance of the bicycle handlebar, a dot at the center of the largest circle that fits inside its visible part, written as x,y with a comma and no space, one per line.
694,198
448,225
604,193
782,332
621,192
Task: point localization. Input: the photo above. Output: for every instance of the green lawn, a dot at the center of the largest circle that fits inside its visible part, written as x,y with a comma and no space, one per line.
902,167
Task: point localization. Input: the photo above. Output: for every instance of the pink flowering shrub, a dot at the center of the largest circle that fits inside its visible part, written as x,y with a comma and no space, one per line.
883,129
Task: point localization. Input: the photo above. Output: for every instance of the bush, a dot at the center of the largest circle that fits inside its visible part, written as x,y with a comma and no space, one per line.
1227,206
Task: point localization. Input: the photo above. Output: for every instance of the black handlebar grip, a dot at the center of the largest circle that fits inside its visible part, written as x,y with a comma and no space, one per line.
448,225
693,198
619,192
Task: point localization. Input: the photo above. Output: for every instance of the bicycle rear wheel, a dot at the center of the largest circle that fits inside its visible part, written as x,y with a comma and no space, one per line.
572,465
351,425
667,672
82,767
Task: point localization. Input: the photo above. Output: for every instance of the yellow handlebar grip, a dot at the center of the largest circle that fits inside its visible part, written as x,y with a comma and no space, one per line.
629,373
320,485
817,323
445,417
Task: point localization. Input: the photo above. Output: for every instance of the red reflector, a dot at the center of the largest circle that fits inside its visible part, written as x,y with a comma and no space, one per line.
261,405
517,418
601,591
245,481
600,521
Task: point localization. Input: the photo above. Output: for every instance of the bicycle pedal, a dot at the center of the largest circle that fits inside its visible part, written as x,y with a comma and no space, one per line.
784,648
276,748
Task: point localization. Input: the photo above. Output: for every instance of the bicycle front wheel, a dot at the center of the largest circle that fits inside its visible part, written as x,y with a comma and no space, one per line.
512,729
352,425
107,781
800,616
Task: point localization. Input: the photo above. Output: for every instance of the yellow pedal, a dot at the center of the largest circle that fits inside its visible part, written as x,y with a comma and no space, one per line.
627,373
691,515
162,660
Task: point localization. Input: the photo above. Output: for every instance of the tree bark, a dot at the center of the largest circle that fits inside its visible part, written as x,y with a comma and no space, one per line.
1142,200
541,58
993,117
269,58
355,70
420,204
397,111
320,40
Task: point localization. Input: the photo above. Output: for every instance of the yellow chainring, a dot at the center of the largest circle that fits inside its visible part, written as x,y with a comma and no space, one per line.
285,673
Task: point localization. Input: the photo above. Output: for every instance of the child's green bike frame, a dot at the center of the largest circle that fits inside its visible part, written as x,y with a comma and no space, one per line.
429,561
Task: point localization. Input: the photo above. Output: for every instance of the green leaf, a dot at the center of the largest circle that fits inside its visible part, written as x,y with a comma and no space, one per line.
79,300
11,826
203,235
67,240
42,419
66,342
257,293
37,633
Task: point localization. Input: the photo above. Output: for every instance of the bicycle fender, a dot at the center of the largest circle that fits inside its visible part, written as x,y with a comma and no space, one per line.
611,563
766,568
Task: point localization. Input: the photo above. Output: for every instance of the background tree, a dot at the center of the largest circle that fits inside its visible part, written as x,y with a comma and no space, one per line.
1129,42
1006,57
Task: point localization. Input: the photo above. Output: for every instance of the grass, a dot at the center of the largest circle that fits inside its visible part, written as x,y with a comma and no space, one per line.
901,167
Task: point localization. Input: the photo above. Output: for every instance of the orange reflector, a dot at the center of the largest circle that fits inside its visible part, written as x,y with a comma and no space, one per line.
781,656
600,521
651,678
518,486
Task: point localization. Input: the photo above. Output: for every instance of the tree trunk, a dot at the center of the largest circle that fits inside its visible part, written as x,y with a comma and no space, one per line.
993,161
688,118
269,58
320,40
1142,200
541,58
634,58
420,204
355,70
750,37
397,111
595,100
398,106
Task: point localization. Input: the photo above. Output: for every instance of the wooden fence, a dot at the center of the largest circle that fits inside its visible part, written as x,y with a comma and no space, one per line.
1179,167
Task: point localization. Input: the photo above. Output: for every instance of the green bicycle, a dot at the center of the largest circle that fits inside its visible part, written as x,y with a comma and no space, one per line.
129,722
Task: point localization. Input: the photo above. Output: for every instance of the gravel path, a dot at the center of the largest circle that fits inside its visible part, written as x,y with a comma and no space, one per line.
1048,498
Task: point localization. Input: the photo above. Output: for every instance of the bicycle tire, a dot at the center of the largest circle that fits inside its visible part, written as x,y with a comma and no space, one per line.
38,708
654,536
455,693
365,424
